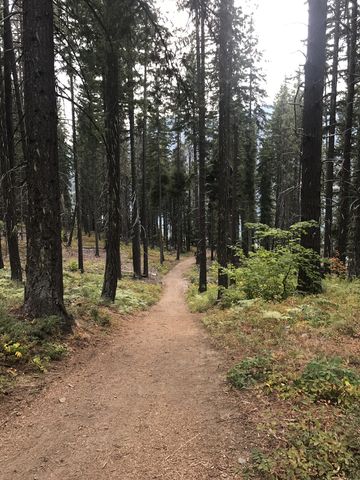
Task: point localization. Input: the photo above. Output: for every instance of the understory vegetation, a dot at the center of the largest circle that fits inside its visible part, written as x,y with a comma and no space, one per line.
29,346
297,357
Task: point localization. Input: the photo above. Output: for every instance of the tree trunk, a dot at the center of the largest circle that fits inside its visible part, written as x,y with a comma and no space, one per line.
200,54
135,219
178,200
224,138
72,227
235,211
329,180
111,103
189,213
354,261
144,196
160,206
77,180
9,155
196,179
345,173
310,281
96,227
12,60
44,275
1,254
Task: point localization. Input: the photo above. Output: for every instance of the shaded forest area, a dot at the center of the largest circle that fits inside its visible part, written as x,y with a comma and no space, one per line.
130,143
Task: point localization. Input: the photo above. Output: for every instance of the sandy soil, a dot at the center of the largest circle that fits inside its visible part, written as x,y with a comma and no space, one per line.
152,404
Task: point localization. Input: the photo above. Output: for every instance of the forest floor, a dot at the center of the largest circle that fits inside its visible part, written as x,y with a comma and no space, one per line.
151,401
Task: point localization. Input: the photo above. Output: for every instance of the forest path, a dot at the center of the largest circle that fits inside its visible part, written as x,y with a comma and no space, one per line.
153,405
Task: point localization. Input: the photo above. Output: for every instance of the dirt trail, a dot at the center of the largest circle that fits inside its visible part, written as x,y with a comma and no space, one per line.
153,405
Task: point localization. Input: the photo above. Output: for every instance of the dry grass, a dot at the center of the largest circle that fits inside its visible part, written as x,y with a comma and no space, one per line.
293,333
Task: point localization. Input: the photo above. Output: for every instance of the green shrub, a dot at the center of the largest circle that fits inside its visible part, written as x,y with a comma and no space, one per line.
250,371
312,452
14,351
316,317
39,363
55,351
200,302
272,274
327,379
43,328
5,384
100,318
73,266
15,330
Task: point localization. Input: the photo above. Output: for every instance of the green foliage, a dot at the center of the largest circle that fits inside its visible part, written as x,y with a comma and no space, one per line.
272,274
135,295
315,316
264,274
11,293
201,302
250,371
55,351
5,384
14,351
15,330
30,342
38,363
311,452
327,379
73,266
100,318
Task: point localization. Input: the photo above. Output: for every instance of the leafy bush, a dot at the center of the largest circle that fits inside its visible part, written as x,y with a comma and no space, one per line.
250,371
5,384
200,302
15,330
272,274
55,351
267,274
327,379
27,342
311,452
312,314
337,267
73,266
39,363
14,351
100,318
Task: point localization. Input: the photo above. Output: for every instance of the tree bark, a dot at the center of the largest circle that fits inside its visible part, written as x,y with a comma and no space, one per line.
345,173
135,217
178,200
312,140
12,60
200,54
235,211
44,274
96,227
1,254
111,103
160,203
144,196
329,179
224,138
72,227
354,260
77,179
9,154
